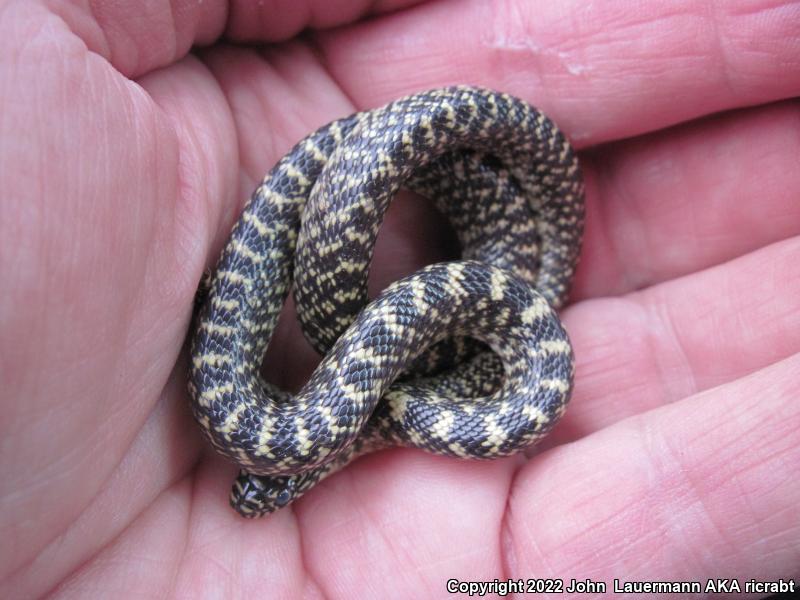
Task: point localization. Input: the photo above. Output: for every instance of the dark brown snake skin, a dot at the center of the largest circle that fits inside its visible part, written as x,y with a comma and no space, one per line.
399,370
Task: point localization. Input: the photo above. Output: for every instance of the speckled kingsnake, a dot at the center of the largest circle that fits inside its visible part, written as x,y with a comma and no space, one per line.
512,189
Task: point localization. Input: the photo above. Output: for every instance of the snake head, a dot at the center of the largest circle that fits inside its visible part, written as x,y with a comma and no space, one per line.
257,495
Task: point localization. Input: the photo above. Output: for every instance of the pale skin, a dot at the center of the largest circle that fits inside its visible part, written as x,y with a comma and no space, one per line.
125,159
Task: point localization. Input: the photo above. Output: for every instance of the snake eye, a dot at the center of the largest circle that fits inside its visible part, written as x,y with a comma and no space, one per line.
283,498
287,494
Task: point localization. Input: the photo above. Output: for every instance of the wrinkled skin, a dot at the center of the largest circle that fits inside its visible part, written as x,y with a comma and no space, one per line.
125,159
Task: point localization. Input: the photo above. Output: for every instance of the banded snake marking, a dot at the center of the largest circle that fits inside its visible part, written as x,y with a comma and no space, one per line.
404,369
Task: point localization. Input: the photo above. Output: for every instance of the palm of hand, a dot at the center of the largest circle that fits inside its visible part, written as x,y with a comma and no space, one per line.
119,194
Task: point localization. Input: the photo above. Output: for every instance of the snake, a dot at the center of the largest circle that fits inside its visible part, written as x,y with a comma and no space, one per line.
466,358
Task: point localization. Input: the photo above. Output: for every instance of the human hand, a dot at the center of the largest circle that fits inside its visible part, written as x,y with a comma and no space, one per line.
124,166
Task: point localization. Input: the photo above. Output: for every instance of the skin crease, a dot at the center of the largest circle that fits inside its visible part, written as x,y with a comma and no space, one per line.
125,159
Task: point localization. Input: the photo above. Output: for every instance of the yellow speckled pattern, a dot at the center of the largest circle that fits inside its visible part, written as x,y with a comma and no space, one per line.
466,358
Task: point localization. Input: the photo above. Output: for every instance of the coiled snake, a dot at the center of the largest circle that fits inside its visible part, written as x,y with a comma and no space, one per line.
403,369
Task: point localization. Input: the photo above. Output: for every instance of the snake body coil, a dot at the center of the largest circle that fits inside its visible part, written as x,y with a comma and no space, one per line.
398,370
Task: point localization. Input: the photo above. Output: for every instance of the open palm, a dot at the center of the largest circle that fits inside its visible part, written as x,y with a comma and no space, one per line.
125,160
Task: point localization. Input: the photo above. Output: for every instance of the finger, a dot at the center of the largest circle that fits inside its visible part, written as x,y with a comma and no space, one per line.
282,19
699,488
601,70
139,38
673,340
691,197
416,519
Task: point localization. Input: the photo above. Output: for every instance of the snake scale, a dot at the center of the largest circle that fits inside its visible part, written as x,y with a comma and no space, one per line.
465,358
